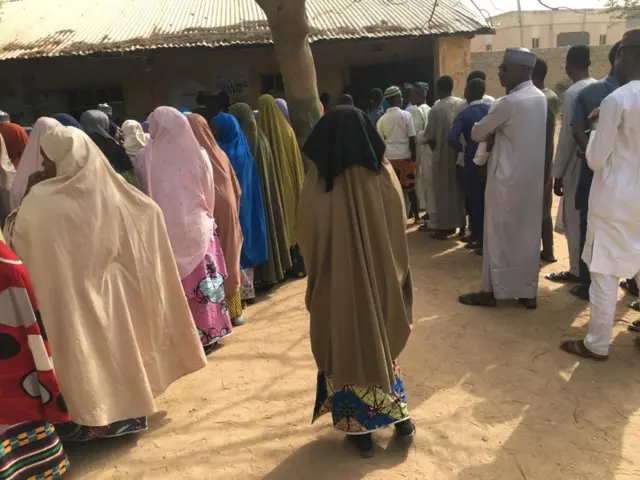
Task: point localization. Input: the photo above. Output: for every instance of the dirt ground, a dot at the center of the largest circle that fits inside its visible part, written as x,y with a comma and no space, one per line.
492,395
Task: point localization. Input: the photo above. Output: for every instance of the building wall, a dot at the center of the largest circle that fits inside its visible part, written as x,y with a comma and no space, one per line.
454,59
489,62
31,88
545,25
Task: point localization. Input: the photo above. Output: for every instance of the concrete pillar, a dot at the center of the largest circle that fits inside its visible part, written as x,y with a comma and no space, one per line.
453,58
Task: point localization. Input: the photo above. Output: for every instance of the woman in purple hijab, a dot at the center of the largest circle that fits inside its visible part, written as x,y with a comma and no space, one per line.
282,105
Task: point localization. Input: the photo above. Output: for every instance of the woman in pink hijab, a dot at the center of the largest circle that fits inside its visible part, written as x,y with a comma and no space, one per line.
176,173
31,160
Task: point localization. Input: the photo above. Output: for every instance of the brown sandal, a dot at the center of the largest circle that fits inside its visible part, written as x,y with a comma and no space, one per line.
577,347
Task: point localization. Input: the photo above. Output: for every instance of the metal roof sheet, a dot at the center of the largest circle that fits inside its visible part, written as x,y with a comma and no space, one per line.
47,28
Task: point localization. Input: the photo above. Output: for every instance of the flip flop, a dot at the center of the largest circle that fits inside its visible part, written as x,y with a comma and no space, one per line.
634,327
563,277
528,303
478,299
624,285
581,292
577,347
635,305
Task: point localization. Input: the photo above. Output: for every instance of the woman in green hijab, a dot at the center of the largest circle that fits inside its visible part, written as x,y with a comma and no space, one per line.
289,170
279,261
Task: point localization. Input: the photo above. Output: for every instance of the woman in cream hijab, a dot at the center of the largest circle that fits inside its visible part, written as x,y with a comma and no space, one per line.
134,138
359,295
112,305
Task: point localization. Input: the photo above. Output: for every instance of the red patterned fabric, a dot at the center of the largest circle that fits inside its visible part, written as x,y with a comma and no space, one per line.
27,392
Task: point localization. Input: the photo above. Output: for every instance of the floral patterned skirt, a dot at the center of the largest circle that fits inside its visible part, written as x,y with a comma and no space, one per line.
360,410
205,293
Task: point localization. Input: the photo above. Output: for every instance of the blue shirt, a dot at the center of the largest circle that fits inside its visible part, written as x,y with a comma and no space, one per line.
462,125
587,101
376,114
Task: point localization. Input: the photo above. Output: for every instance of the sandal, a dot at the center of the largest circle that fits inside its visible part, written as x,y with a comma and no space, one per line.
406,431
439,235
635,305
364,444
580,291
478,299
529,303
577,347
563,277
634,327
630,287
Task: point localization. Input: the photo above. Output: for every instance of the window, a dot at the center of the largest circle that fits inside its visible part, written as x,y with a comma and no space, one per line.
535,43
489,47
272,83
603,39
566,39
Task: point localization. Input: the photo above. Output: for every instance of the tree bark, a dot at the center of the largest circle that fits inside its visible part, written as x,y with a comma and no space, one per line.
290,31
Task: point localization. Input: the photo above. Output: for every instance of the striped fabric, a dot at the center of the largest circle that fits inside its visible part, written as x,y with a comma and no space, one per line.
31,451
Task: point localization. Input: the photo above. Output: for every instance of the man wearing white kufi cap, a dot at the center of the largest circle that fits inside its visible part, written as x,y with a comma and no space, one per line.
514,130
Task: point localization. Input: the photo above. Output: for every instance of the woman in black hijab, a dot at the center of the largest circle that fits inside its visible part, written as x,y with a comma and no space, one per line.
96,124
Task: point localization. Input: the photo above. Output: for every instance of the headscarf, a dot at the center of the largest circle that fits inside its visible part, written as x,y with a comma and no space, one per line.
279,261
344,137
359,291
124,320
176,173
67,120
286,153
252,219
31,159
15,140
96,125
134,138
284,108
227,204
7,175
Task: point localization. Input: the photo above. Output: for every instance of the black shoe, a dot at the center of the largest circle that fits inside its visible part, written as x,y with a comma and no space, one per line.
364,444
405,431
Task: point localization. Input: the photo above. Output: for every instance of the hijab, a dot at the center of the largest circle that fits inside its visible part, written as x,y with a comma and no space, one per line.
286,153
31,159
226,212
282,105
344,137
7,175
134,138
15,140
96,125
243,114
124,317
360,294
67,120
252,219
176,173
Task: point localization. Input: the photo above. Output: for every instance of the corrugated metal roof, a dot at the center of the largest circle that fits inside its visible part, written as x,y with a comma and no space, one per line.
47,28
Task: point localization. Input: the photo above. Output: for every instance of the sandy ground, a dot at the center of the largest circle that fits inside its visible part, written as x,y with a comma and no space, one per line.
492,395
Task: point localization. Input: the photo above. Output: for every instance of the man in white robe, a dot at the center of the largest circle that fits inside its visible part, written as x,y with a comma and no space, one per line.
566,165
612,247
515,131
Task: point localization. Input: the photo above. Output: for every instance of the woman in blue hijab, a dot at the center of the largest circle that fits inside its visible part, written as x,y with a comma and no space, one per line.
231,139
67,120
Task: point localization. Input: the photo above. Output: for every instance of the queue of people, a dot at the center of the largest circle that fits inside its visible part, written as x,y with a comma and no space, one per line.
159,234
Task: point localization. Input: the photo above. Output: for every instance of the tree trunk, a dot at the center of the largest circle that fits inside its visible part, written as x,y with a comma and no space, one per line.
290,32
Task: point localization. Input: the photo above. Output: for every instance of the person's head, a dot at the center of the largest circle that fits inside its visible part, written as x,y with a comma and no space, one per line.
325,99
202,97
539,73
578,62
613,53
47,165
477,74
393,96
444,87
474,90
418,93
225,128
95,121
628,57
106,109
375,98
345,99
516,68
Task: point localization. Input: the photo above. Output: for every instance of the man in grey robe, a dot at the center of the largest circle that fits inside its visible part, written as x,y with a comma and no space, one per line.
566,165
448,196
515,132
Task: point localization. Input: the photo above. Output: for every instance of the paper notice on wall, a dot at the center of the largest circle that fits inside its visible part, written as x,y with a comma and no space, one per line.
233,83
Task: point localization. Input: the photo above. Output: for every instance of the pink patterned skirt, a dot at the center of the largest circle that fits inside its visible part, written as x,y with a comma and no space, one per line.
205,293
